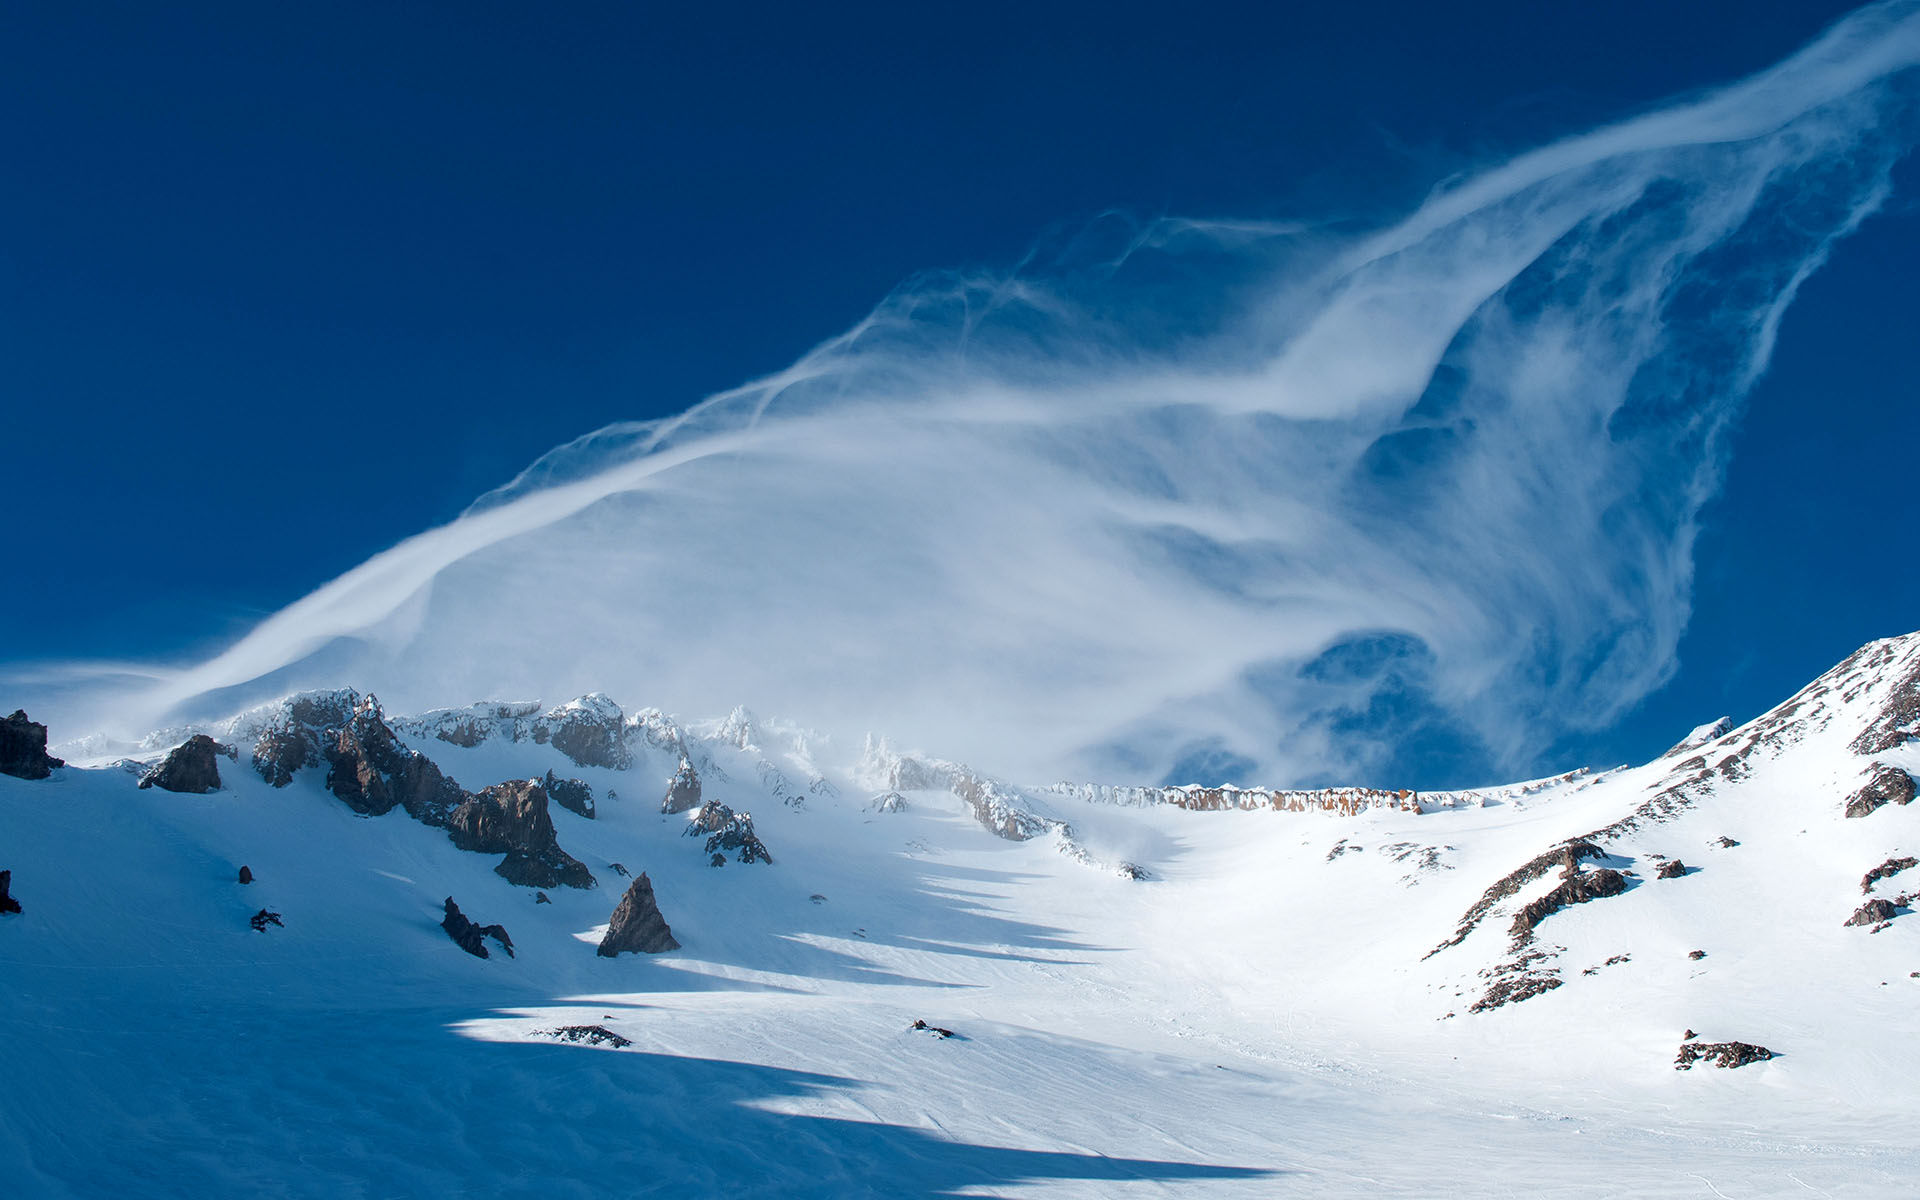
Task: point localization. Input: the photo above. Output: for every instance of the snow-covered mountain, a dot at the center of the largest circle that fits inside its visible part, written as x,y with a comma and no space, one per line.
514,949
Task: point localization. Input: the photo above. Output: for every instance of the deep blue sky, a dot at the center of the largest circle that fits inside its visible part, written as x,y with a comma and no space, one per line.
281,285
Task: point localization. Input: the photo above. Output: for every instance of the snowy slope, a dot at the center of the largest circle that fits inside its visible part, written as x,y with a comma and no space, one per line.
1154,992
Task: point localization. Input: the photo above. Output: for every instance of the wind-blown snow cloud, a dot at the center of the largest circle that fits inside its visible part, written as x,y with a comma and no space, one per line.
1217,496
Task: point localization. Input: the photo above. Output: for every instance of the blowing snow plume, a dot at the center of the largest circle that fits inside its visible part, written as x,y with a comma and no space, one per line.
1228,498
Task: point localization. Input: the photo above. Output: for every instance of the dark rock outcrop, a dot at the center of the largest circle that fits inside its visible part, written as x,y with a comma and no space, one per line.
637,926
574,795
512,819
1673,868
472,937
373,773
683,790
590,730
1886,870
1566,857
1575,887
246,874
1873,912
588,1035
1889,785
7,903
23,748
1719,1054
264,918
298,735
191,766
1696,955
935,1030
728,832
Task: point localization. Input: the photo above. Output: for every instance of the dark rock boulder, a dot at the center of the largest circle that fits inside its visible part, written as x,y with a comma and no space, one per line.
1696,955
513,819
1673,868
637,926
728,832
472,937
23,748
1889,785
1872,913
683,790
192,767
7,903
246,874
1719,1054
574,795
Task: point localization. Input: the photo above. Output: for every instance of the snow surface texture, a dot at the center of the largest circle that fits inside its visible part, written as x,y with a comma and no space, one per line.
1175,491
1282,1006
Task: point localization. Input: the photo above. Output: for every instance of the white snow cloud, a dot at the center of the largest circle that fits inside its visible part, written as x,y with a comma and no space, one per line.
1094,515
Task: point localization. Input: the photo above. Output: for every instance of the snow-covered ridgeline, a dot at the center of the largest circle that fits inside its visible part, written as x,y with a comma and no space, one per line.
1351,801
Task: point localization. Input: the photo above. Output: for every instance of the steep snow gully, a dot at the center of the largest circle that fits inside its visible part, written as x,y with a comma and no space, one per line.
519,950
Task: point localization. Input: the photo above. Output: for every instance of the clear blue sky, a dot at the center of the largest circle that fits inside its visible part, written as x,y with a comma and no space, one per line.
283,285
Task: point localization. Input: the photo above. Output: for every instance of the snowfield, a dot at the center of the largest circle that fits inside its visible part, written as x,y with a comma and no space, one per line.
1146,999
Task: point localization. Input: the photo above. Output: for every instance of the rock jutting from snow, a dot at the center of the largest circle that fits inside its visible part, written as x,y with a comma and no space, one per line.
683,790
190,767
888,802
637,926
588,1035
1720,1054
23,748
470,936
1673,868
512,819
1886,870
1873,912
1889,785
728,831
7,903
574,795
264,918
590,730
246,874
373,773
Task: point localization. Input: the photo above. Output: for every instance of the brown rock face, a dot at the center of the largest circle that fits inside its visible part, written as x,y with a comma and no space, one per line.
1872,913
591,731
471,937
1720,1054
574,795
1576,887
192,767
372,773
299,736
1673,868
1889,785
726,830
512,819
683,790
23,748
637,926
7,903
